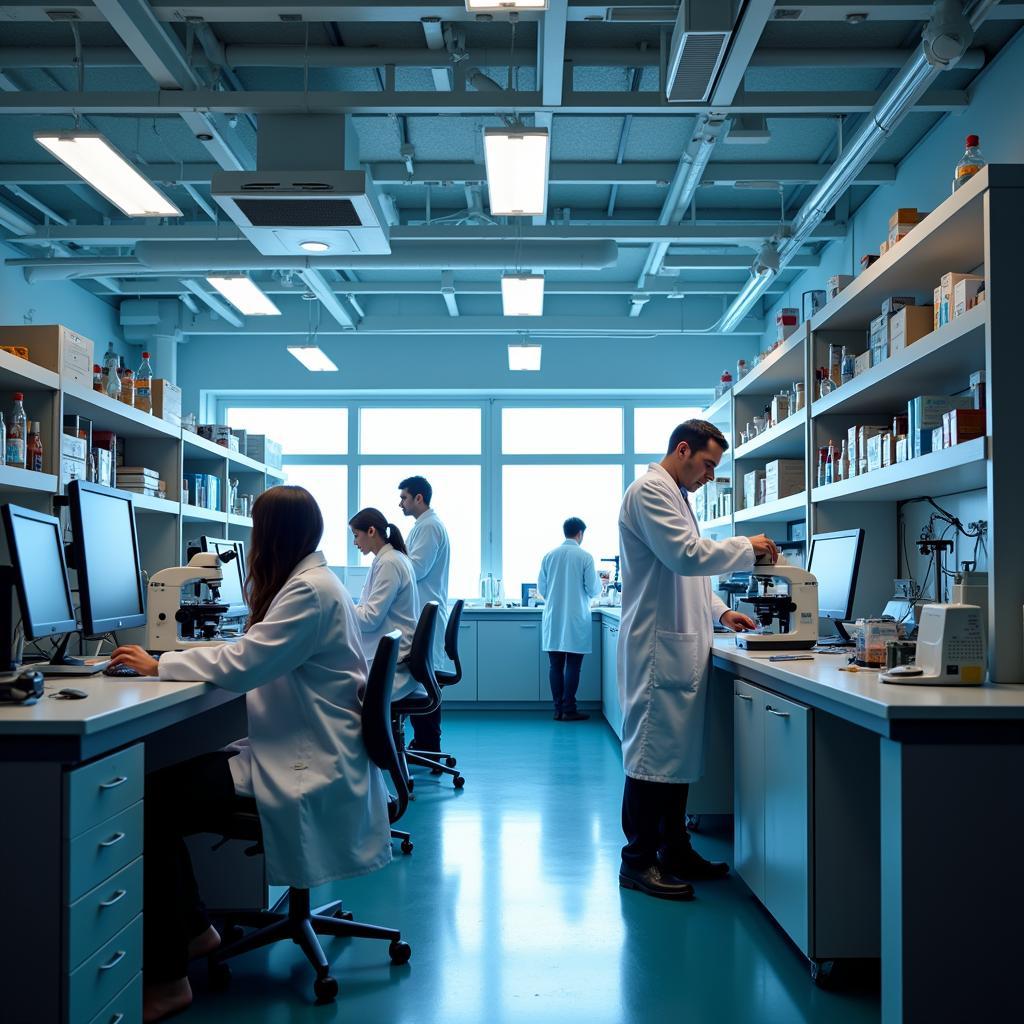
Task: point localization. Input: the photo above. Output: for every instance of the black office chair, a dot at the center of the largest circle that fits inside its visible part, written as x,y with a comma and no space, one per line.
420,662
439,762
300,924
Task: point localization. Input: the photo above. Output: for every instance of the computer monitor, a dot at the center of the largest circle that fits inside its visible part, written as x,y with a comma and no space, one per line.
232,589
834,562
107,558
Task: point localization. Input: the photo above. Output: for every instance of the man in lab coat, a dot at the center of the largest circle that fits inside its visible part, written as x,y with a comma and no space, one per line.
430,554
567,582
668,614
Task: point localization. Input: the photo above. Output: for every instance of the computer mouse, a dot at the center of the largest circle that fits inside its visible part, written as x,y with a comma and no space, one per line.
70,693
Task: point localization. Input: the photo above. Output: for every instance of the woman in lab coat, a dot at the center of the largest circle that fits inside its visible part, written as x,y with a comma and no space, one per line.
322,804
668,614
389,599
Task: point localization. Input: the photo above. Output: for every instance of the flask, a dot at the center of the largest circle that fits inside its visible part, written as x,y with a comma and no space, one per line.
98,380
741,369
724,384
34,453
111,367
969,164
16,433
127,387
144,385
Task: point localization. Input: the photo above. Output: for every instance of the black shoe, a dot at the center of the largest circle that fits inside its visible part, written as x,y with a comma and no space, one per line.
557,716
574,716
693,866
655,881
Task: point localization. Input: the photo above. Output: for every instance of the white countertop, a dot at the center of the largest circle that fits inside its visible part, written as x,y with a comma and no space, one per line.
863,692
519,610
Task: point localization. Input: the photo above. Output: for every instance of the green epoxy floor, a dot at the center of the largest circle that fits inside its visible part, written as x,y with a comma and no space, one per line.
511,904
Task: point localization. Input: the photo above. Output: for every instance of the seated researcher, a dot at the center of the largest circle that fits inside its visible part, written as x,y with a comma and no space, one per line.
322,804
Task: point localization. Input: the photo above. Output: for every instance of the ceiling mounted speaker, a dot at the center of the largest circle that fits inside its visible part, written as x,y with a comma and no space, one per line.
699,41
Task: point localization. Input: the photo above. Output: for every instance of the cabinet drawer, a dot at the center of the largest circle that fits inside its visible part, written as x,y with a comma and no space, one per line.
102,912
95,792
97,854
125,1007
106,973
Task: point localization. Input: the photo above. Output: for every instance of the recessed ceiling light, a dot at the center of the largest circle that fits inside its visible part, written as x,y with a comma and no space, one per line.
313,358
245,295
522,294
524,356
517,171
314,246
506,5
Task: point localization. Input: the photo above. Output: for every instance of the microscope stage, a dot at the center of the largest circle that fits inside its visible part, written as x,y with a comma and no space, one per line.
771,642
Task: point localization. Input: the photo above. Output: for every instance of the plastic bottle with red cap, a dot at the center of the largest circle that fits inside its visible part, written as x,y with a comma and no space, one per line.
970,163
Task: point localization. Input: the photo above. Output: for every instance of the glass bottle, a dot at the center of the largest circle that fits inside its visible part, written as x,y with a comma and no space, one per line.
113,377
844,463
144,385
724,384
34,451
128,387
847,363
3,441
799,395
830,462
822,453
741,369
969,164
16,433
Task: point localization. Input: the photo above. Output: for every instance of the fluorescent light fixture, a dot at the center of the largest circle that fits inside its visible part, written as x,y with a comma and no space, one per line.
517,170
506,5
522,294
313,358
96,161
314,246
245,295
524,356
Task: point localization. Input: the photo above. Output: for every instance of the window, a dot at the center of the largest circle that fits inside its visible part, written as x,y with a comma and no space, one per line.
456,500
414,431
652,428
329,485
575,431
300,431
536,500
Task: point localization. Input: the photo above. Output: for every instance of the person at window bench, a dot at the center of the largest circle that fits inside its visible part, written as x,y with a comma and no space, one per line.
322,804
567,581
389,599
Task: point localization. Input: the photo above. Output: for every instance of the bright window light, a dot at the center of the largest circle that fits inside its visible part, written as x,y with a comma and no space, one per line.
524,356
517,171
313,358
244,295
506,5
96,161
522,294
301,430
419,431
573,430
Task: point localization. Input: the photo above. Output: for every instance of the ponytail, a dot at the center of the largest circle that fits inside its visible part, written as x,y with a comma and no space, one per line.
372,517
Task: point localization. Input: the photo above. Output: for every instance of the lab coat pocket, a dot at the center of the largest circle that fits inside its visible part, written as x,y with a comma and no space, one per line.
676,664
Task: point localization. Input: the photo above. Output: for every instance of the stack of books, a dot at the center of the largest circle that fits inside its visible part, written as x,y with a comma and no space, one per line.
141,480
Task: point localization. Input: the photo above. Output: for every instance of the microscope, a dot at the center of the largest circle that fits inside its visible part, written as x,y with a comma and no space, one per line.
176,625
615,584
796,609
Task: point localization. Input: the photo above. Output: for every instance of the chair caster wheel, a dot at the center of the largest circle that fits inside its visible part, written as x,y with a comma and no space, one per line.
406,846
451,762
399,952
233,934
218,977
342,915
325,989
458,782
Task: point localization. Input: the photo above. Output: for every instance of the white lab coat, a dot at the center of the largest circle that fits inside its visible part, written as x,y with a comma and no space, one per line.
389,601
322,802
668,615
567,581
430,554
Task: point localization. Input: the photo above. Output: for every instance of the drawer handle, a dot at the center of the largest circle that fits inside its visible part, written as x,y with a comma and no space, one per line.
114,960
116,898
527,627
114,839
114,783
742,696
772,711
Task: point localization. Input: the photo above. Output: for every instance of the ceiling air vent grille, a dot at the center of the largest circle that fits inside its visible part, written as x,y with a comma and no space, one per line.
699,41
299,213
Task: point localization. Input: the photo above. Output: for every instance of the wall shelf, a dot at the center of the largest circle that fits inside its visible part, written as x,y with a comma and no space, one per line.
144,504
786,510
777,371
17,374
786,440
108,414
194,514
243,521
14,480
201,449
719,523
718,411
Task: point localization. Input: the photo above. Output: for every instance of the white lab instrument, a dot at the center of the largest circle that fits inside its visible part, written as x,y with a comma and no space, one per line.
176,625
796,609
950,649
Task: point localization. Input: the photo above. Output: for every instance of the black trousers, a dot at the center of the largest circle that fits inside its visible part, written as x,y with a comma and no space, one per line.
564,677
181,800
653,820
426,730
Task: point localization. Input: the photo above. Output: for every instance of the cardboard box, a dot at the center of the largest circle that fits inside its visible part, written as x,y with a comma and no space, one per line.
899,232
55,347
851,451
71,469
780,408
936,307
73,447
783,477
862,363
910,324
874,450
219,434
837,282
938,439
864,436
902,447
867,259
786,321
965,294
961,425
946,286
883,248
166,401
751,487
888,449
105,474
892,305
906,215
924,414
263,449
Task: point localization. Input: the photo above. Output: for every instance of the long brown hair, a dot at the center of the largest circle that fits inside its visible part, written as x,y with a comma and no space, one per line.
286,527
367,517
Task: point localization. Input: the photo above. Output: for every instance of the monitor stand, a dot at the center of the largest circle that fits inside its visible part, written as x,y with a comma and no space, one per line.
63,665
841,639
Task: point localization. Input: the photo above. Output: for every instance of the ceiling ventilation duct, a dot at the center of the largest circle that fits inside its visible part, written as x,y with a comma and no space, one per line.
699,40
305,192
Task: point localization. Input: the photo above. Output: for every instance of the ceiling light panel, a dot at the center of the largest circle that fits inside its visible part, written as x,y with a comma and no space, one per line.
524,357
506,5
313,358
244,294
517,171
522,294
97,162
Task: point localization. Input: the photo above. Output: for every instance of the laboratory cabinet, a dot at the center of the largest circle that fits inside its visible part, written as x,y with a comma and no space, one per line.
507,663
610,706
466,687
806,838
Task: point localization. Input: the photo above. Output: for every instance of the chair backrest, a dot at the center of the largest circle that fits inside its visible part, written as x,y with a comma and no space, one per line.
420,659
376,719
451,646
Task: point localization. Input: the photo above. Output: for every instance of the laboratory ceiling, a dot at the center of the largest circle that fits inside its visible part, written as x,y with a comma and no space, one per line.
655,209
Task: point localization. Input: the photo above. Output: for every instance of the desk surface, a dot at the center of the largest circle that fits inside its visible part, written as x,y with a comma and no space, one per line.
862,692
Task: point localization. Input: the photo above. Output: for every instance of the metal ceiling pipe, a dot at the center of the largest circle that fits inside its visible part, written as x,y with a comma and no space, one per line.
886,115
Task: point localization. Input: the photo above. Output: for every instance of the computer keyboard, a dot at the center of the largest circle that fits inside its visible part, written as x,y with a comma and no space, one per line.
120,670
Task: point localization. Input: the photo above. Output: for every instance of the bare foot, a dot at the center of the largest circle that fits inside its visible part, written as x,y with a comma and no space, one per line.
204,943
164,998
